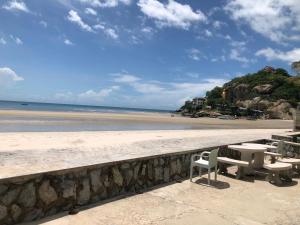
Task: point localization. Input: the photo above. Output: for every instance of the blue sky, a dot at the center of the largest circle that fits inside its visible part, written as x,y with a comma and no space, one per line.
139,53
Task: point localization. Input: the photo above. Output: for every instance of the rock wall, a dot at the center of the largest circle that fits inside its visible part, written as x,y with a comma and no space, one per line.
297,119
35,196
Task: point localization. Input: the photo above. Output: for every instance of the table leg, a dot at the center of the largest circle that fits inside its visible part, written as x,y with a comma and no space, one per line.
258,160
277,180
246,156
240,173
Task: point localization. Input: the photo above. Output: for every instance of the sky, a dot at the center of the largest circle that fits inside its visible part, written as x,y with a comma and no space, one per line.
139,53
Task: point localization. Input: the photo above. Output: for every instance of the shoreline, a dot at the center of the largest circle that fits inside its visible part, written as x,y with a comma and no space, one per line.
95,121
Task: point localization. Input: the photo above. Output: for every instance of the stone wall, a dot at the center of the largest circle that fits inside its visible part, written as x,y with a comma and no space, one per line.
291,149
297,119
36,196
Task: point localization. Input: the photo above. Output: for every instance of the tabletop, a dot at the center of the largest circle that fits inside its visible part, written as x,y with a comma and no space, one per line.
247,148
261,145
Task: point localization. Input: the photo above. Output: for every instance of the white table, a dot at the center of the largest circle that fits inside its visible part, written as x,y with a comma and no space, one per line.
269,147
252,154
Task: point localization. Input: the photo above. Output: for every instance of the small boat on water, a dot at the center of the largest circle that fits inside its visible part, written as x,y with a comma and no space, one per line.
24,103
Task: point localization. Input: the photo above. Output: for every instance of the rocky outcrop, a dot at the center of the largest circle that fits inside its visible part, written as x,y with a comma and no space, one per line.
241,91
263,89
280,109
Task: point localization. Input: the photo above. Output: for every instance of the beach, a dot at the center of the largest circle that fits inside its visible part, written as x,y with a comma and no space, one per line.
35,121
57,148
37,141
34,152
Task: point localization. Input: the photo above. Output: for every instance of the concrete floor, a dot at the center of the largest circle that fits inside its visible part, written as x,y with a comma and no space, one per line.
230,201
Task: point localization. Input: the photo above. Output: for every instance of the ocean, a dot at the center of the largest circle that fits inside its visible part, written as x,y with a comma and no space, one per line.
36,106
35,122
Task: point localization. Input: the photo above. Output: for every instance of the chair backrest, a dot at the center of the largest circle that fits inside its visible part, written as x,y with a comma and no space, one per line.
280,148
213,160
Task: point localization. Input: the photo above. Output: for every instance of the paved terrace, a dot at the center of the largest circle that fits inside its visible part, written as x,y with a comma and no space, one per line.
29,153
239,202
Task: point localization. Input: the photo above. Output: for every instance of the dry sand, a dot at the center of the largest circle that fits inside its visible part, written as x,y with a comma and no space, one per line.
33,152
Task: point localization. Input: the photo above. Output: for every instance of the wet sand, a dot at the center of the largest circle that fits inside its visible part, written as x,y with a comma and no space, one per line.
18,121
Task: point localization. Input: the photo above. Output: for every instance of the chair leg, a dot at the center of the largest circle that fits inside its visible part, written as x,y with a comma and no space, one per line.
216,171
209,176
191,173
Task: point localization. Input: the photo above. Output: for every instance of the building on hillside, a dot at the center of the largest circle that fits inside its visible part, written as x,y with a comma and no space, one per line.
268,69
199,101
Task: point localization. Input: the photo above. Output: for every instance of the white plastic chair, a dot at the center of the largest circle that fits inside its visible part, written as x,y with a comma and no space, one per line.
207,160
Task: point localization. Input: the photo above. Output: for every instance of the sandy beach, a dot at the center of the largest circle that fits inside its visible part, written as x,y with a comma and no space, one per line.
33,152
85,138
21,120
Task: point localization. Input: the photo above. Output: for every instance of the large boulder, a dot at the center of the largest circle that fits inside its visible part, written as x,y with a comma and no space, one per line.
263,89
281,109
241,91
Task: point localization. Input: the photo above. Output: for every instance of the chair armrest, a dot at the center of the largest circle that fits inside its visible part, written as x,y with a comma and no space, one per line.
204,153
194,156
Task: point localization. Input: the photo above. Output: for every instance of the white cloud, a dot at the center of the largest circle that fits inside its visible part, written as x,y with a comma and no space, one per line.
90,11
126,78
111,33
98,95
147,30
171,14
68,42
75,18
148,87
99,26
239,48
43,23
288,56
165,94
64,96
14,5
208,33
17,40
8,76
144,93
3,41
105,3
195,54
278,20
217,24
235,54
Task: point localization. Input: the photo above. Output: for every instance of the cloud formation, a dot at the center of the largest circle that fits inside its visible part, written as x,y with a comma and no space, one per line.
90,11
288,56
76,19
8,76
68,42
98,95
17,40
14,5
278,20
171,14
163,94
105,3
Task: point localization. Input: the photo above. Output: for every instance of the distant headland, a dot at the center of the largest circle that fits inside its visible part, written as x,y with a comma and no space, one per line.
270,93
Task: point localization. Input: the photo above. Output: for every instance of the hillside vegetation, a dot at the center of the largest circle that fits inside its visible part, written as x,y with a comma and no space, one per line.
273,91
